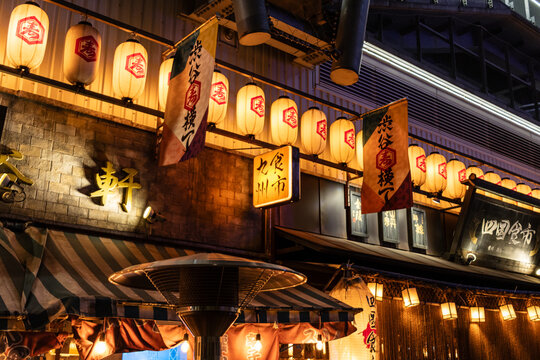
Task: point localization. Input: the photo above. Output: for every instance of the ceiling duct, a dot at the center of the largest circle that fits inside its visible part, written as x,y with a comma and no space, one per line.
349,41
252,22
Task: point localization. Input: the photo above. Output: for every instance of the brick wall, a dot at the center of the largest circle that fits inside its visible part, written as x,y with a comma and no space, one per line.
207,199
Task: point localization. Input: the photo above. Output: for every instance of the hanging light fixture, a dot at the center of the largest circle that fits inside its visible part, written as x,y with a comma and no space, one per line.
250,110
410,297
27,36
219,97
536,194
129,69
319,344
342,140
185,344
456,173
507,312
525,190
417,164
376,290
448,310
478,314
252,22
164,78
533,312
100,346
284,121
360,150
82,51
494,179
436,174
313,130
509,184
258,343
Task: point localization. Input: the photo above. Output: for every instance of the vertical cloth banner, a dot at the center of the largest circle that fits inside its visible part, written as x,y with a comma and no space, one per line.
387,178
186,112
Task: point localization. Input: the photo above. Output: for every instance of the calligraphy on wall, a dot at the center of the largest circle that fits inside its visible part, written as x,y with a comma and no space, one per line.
11,178
389,226
276,177
108,183
417,228
358,220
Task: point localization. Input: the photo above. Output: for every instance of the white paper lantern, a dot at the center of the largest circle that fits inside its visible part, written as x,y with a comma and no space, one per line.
410,297
342,140
476,171
313,131
436,174
27,36
250,110
536,194
164,79
456,173
495,179
525,190
82,50
284,121
507,312
478,314
448,310
360,150
219,97
509,184
417,164
129,69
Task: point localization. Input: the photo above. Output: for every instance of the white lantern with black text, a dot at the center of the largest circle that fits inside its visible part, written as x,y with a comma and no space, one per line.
82,50
250,110
417,164
436,174
219,97
342,140
313,130
130,69
456,173
165,70
27,36
284,121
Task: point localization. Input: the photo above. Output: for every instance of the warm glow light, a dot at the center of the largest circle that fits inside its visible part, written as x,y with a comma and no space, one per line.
319,344
185,344
448,310
376,290
129,69
360,150
495,179
507,312
474,170
509,184
342,140
284,121
417,164
82,51
250,110
456,173
525,190
147,212
290,350
164,78
536,194
27,36
534,313
258,343
436,173
478,314
100,347
313,130
537,272
266,195
219,98
410,297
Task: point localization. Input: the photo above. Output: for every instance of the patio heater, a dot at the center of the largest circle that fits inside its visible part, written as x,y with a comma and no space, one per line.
208,290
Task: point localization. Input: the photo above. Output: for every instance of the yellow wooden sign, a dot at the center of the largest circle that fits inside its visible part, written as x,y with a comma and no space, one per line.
276,177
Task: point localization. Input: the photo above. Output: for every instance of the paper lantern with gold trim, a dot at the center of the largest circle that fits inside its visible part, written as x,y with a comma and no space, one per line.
495,179
342,140
130,68
313,131
536,194
478,314
376,290
26,41
284,121
436,173
82,51
525,190
250,110
410,297
507,312
511,185
219,97
164,79
448,310
417,164
533,312
360,150
456,173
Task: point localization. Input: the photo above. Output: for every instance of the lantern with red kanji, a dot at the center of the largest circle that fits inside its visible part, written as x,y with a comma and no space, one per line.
525,190
130,69
456,173
82,51
284,121
342,140
219,97
164,79
495,179
250,110
313,131
509,184
436,173
417,164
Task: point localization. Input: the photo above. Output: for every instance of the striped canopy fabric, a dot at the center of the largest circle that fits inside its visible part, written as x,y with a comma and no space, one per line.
50,274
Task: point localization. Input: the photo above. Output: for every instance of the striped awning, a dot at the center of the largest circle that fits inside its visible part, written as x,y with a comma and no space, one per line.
49,274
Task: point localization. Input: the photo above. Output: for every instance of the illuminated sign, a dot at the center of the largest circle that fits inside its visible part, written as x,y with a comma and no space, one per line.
108,183
276,177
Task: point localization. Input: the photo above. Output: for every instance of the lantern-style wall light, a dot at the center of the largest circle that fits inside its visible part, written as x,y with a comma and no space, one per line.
82,51
165,70
27,36
534,313
284,121
360,150
509,184
526,190
456,173
250,109
448,310
342,140
436,173
376,290
410,297
219,97
495,179
417,164
536,194
129,69
507,312
478,314
313,131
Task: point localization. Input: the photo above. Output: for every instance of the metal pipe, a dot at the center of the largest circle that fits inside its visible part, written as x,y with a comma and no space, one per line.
252,22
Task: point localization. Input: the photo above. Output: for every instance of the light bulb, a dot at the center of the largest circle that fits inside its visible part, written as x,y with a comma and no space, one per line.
184,347
100,347
258,343
319,344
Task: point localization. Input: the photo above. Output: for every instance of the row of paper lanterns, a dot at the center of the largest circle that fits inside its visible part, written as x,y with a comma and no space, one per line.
448,309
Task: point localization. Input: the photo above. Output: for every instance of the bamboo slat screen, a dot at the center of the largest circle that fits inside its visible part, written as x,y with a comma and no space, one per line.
421,333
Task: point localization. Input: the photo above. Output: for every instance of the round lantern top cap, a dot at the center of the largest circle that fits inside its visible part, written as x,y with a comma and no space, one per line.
251,83
283,97
33,3
490,172
217,70
433,152
413,145
314,108
84,22
249,271
342,118
133,40
454,159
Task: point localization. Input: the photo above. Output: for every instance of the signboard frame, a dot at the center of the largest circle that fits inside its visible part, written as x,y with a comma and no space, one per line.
413,235
384,237
354,231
